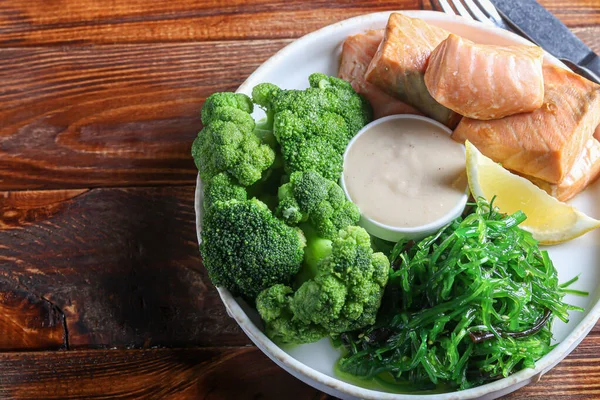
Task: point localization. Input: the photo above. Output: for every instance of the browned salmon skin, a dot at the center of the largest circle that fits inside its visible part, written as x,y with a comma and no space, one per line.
357,52
545,143
584,171
398,67
485,81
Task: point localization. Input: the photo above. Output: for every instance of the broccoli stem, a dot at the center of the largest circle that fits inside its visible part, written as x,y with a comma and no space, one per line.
264,130
317,248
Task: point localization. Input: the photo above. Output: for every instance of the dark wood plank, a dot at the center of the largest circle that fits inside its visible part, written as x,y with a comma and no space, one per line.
94,21
29,322
221,373
213,373
111,115
25,23
23,208
121,266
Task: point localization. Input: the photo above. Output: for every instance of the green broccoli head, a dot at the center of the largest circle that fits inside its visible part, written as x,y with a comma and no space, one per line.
264,93
227,142
320,300
217,102
343,295
222,188
322,202
346,293
343,100
273,304
311,144
246,249
313,126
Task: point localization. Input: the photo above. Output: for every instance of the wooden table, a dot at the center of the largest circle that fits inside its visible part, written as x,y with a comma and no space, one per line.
102,289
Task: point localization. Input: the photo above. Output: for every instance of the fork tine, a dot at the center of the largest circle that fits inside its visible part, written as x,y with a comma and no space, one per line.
490,9
462,11
477,13
446,7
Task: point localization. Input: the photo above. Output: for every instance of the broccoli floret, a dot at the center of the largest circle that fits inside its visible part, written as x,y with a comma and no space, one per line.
351,272
228,143
314,126
273,304
225,100
246,249
222,188
263,95
344,295
311,144
354,108
322,202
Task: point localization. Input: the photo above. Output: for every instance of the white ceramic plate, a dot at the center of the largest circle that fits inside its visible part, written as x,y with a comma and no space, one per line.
313,363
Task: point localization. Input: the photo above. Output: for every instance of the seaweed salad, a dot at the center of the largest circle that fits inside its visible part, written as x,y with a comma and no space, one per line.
471,304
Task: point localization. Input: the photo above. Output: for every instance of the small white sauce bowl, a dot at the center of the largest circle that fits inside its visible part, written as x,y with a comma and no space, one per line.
394,233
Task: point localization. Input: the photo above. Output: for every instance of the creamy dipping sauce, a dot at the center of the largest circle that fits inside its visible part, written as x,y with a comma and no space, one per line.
405,172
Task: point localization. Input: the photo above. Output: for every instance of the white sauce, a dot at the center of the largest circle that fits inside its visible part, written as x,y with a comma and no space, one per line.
405,172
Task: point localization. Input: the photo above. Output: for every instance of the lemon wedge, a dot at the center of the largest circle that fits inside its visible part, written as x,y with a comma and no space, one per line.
549,220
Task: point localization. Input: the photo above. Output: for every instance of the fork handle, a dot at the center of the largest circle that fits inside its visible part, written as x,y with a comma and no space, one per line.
590,71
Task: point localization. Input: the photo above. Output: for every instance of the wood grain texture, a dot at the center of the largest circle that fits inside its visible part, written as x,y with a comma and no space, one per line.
19,209
590,35
111,115
121,266
29,322
221,373
214,373
26,23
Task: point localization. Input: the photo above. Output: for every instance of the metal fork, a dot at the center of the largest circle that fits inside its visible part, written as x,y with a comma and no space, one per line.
485,12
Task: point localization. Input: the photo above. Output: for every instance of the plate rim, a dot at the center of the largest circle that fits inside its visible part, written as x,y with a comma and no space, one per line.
337,386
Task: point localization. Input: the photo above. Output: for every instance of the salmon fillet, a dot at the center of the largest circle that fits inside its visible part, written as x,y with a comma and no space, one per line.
398,67
545,143
485,81
357,53
585,170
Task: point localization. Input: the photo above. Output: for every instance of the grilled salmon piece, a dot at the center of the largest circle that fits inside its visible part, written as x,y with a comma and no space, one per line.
485,81
585,170
545,143
399,65
357,53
